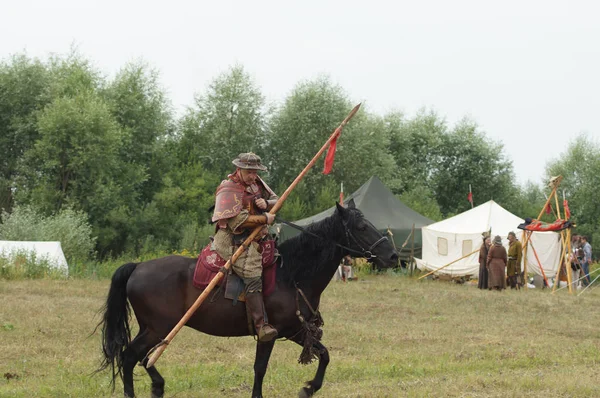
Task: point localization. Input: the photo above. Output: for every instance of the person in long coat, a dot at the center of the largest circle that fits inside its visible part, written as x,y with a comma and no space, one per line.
496,263
483,253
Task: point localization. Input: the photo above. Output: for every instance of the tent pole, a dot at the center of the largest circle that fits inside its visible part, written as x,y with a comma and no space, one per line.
391,235
539,263
560,264
450,263
412,250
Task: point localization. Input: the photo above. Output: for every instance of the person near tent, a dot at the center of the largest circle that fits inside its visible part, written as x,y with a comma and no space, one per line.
513,268
483,254
576,258
242,202
587,259
346,268
496,263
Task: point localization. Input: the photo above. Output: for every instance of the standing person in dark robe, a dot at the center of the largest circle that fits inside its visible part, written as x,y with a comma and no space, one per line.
483,254
515,255
496,263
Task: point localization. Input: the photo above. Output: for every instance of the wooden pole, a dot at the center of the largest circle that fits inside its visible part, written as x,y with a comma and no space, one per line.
158,349
539,263
568,260
560,264
412,249
525,242
441,268
391,234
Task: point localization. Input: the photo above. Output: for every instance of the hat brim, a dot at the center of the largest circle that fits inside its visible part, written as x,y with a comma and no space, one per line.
245,166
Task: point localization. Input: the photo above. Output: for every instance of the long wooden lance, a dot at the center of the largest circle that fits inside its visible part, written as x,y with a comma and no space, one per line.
160,347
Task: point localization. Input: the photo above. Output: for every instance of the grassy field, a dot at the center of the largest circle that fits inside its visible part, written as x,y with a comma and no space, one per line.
388,336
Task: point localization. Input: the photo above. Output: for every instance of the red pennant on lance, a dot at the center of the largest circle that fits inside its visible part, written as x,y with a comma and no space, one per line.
330,157
470,197
567,210
549,209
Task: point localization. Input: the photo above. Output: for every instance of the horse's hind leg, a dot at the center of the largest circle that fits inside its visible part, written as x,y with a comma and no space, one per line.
315,384
261,360
158,383
137,350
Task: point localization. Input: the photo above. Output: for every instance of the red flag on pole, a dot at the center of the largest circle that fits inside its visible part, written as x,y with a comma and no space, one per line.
330,157
470,196
549,209
342,194
567,210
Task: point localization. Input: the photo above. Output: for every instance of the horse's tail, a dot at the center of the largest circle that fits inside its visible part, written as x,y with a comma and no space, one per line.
116,333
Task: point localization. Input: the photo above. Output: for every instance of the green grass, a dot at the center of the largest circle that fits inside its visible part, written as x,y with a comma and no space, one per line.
388,336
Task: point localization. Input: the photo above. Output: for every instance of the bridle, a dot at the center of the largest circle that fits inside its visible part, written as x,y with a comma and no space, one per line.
350,238
368,253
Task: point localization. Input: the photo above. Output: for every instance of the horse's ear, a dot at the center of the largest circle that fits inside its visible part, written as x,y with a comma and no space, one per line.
340,209
351,204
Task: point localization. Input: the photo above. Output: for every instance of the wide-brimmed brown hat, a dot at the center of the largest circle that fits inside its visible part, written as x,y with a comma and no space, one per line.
249,161
497,240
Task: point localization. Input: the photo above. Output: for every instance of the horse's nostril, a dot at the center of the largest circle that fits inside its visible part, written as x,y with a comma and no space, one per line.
394,257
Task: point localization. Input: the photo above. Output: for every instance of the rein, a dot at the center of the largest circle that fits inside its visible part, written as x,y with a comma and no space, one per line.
368,253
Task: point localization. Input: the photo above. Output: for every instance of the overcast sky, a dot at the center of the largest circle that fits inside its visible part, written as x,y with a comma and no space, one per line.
526,71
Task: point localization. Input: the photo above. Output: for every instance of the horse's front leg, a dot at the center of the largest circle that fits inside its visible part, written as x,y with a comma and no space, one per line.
315,384
261,360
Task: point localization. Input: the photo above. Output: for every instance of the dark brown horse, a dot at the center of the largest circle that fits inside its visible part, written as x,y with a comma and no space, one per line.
160,291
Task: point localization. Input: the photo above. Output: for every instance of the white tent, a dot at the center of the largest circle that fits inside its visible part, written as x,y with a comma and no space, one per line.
51,251
453,238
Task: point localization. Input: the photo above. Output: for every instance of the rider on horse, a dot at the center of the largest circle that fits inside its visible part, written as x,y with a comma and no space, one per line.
242,203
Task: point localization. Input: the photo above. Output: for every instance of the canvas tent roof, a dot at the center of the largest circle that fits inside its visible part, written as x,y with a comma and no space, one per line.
383,209
51,251
451,239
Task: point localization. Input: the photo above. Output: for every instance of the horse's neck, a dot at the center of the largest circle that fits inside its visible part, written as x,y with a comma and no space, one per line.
321,280
324,255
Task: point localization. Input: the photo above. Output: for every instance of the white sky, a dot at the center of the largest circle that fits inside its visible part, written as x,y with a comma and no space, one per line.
526,71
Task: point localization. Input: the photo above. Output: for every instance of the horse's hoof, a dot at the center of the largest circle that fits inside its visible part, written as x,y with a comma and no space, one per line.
305,393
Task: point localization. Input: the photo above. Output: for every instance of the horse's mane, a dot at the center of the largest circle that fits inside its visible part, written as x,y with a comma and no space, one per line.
304,255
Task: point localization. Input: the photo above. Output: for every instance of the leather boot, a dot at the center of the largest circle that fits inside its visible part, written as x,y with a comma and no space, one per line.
255,304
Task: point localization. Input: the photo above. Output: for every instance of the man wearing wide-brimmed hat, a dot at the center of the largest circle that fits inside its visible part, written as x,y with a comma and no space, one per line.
242,204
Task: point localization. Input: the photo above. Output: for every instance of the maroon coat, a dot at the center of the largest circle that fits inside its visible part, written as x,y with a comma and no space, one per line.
496,263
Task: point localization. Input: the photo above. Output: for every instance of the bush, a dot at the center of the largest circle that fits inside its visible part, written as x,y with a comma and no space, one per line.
71,228
26,265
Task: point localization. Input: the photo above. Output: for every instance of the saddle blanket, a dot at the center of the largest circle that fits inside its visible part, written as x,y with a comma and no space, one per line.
210,262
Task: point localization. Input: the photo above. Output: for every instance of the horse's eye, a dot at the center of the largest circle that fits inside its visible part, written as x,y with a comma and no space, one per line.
362,226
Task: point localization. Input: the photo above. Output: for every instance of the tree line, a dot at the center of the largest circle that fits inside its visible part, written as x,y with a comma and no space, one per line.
114,152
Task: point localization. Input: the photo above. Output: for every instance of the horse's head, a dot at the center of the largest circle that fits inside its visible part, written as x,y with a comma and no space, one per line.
364,239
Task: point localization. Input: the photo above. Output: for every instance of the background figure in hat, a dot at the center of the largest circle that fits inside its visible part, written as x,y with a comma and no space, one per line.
513,268
496,263
483,254
242,204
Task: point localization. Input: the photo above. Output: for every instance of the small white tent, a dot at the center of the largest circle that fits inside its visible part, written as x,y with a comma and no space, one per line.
455,237
50,251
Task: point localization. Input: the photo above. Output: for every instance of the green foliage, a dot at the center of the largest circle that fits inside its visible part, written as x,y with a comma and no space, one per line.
140,107
227,119
23,92
414,144
466,157
422,200
23,264
70,228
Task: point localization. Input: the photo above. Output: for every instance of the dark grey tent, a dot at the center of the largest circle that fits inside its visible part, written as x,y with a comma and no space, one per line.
383,209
